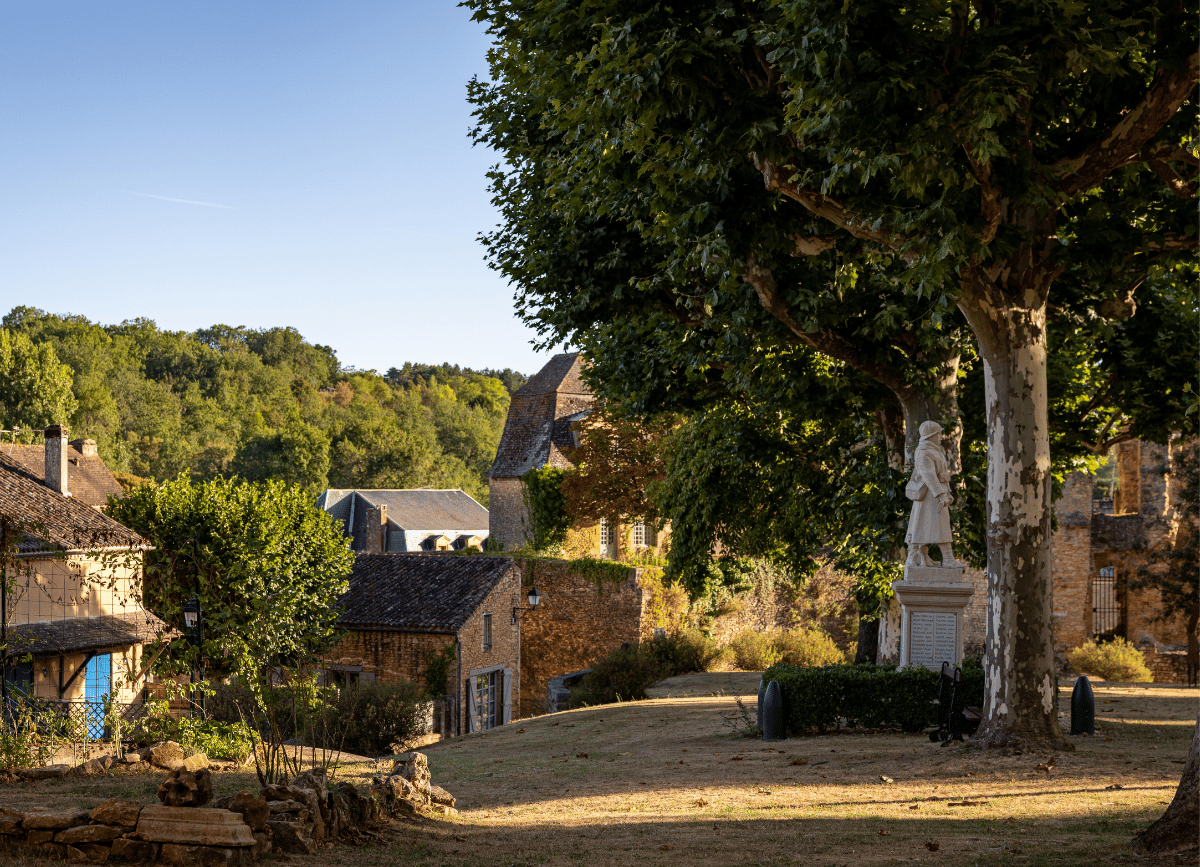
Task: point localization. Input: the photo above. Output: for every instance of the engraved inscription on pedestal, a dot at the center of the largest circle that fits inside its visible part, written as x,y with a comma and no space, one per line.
932,638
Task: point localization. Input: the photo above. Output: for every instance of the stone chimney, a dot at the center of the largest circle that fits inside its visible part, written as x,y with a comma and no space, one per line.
56,458
375,532
87,448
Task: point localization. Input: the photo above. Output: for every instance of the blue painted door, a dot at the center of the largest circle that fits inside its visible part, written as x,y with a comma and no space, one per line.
97,682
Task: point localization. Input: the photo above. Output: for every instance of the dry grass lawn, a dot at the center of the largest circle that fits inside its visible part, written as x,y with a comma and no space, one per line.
669,782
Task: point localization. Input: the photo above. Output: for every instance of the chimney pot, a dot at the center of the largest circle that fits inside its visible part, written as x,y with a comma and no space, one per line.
56,458
87,447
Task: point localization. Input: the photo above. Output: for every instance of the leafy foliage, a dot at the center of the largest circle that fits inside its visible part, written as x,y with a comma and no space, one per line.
1112,660
259,403
865,696
230,741
266,566
754,650
625,673
547,507
370,719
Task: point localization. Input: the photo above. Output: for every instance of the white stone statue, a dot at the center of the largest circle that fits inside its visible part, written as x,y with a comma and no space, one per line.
929,489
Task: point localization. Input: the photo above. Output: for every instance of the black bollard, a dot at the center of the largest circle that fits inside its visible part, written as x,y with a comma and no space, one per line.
762,688
1083,708
773,727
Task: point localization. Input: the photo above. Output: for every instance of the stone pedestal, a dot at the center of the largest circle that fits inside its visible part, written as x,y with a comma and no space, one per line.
196,825
932,600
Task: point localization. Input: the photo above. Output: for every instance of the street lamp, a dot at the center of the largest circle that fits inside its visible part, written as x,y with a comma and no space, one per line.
535,599
192,619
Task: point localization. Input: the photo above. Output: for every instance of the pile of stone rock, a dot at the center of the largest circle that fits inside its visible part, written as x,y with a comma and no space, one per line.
300,817
165,755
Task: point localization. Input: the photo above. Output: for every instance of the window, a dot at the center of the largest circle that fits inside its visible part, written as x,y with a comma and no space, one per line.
487,632
643,534
605,533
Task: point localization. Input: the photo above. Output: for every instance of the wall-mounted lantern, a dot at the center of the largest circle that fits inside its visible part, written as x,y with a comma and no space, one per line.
535,599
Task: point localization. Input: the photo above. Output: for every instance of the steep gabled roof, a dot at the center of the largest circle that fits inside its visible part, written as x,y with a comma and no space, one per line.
536,432
419,592
417,509
88,479
53,522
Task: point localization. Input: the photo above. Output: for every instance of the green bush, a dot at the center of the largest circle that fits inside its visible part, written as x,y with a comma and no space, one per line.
622,675
231,741
1112,660
799,647
865,696
684,652
369,719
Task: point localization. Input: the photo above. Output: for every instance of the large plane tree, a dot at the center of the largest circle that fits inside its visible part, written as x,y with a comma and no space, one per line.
907,160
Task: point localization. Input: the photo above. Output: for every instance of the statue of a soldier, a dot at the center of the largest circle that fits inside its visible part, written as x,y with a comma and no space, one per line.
929,489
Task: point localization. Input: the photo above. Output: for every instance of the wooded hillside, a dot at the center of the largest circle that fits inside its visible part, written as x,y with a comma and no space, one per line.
259,403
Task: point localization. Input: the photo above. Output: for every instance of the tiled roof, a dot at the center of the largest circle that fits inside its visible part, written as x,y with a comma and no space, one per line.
419,592
411,509
55,522
88,479
109,632
536,431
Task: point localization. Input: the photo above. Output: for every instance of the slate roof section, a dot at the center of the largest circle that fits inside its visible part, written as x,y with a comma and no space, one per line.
419,592
55,522
75,634
418,509
536,432
88,479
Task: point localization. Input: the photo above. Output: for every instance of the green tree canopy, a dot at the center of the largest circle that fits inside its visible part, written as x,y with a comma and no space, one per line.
267,568
35,387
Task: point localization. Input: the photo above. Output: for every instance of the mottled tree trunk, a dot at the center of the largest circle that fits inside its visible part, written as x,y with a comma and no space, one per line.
1178,829
1019,703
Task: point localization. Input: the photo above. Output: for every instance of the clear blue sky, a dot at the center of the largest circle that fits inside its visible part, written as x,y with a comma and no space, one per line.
254,163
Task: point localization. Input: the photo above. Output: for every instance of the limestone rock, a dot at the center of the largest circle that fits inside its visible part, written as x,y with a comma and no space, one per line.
294,838
117,811
255,811
49,772
440,796
89,834
34,838
55,819
131,758
416,771
56,851
10,821
93,767
193,825
314,781
186,788
201,856
195,762
288,806
128,849
262,844
167,755
363,809
88,853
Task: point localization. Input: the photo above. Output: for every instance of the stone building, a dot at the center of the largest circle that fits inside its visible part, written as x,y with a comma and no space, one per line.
74,619
404,611
87,477
540,431
1095,550
412,521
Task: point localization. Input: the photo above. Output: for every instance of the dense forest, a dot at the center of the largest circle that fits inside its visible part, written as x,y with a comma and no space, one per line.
259,403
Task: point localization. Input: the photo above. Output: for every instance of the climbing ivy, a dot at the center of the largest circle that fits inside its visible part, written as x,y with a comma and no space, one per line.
547,507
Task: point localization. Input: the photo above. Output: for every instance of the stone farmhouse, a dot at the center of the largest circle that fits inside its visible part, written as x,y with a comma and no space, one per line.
74,595
412,521
404,611
540,431
89,480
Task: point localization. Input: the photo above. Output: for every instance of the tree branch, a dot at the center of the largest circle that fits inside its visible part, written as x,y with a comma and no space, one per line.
991,198
1174,243
775,179
812,245
1123,142
1178,186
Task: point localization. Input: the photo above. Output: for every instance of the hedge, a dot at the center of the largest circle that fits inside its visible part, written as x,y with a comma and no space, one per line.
865,696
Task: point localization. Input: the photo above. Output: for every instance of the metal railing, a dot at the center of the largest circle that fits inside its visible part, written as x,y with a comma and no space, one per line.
73,720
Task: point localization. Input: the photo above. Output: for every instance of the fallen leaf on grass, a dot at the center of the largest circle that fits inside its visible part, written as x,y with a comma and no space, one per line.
581,756
666,848
761,792
884,779
883,833
681,761
736,759
624,754
1115,786
966,803
932,845
520,731
915,807
1047,765
700,802
1179,761
799,761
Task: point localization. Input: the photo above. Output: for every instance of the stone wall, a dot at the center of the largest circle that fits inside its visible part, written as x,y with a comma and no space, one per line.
1167,666
392,657
509,524
505,650
579,619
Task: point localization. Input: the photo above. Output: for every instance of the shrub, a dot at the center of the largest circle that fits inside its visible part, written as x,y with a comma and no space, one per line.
684,652
1112,660
231,741
799,647
370,719
753,651
22,745
865,696
622,675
